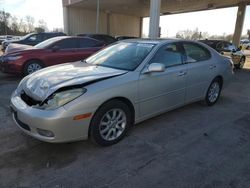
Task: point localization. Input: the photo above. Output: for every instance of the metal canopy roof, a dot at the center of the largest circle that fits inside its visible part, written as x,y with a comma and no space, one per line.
141,7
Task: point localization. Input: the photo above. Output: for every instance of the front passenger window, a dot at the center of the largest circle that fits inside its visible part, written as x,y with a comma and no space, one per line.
168,55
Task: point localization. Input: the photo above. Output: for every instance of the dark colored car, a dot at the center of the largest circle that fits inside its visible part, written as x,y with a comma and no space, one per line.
125,37
32,39
107,39
228,49
50,52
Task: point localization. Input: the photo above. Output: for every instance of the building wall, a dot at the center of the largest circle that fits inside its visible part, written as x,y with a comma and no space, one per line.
84,21
78,20
124,25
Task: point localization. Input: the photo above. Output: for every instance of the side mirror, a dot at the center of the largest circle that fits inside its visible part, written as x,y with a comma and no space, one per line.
155,67
55,48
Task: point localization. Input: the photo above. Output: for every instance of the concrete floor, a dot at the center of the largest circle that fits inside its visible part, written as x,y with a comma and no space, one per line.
194,146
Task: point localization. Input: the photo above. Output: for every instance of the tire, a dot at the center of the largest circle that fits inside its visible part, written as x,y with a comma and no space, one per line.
110,123
32,66
241,63
213,92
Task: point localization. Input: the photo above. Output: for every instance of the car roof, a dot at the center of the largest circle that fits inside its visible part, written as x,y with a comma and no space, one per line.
157,41
213,40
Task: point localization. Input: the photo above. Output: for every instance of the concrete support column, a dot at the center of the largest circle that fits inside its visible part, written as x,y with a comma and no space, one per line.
155,8
66,20
97,15
239,24
108,22
141,25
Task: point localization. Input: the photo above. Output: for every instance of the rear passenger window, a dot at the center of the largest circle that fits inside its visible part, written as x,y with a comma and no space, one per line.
196,52
169,55
89,43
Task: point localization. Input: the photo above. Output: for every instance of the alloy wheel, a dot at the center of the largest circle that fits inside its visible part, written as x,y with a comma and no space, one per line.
112,124
214,92
33,67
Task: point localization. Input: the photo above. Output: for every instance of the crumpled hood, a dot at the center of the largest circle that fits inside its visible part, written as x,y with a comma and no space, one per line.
43,83
17,47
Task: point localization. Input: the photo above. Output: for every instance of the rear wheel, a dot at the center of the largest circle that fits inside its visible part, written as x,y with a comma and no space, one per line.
213,92
32,66
110,123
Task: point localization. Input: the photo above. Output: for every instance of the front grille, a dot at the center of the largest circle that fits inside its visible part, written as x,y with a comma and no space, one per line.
21,124
28,100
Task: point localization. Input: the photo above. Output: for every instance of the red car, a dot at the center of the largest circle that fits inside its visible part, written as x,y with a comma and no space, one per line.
50,52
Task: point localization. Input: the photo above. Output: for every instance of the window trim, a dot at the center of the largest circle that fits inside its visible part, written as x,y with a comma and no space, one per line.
90,39
178,45
64,49
198,45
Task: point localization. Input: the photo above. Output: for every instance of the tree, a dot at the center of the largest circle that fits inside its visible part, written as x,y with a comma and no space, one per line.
184,34
14,25
30,23
229,37
57,29
39,30
191,34
42,24
19,26
22,26
4,22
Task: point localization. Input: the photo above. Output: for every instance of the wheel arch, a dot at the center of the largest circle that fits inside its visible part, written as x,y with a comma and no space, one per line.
122,99
33,59
220,78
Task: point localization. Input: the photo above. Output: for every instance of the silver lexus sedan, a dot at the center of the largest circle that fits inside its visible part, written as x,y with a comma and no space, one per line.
121,85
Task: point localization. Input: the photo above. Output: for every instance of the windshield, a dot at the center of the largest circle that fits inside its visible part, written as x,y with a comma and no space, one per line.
27,36
47,43
125,55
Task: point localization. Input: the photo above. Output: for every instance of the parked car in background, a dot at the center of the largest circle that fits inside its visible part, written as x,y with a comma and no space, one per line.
107,39
32,39
228,49
124,37
50,52
125,83
245,44
5,37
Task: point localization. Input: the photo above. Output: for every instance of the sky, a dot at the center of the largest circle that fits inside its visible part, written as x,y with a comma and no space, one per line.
48,10
215,22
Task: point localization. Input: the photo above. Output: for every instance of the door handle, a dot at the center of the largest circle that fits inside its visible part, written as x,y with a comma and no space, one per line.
212,66
182,73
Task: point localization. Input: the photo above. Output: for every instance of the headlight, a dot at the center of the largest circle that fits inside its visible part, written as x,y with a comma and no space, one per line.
61,98
13,58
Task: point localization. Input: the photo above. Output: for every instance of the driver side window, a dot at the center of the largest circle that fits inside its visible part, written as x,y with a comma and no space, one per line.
169,55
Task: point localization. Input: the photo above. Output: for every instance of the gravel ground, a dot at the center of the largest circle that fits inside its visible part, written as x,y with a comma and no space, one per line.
194,146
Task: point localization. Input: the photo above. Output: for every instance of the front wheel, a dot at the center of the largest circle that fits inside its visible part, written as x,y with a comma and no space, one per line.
213,92
110,123
32,66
